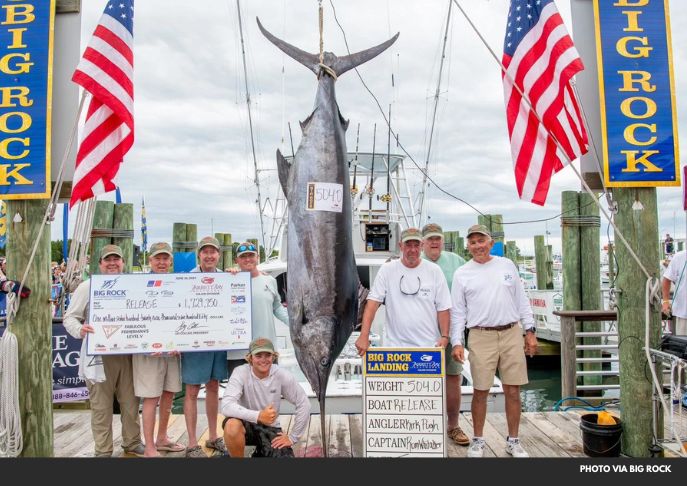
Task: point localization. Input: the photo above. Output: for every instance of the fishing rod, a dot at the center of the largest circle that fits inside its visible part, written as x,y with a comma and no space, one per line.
387,197
354,188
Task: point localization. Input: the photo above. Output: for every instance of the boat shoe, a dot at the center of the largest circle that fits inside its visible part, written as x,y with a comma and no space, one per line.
458,436
217,445
195,452
138,451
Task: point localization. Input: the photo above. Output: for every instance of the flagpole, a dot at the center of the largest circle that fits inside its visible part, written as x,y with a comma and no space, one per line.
504,70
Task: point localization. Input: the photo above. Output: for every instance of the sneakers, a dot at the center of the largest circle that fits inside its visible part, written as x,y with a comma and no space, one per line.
458,436
476,448
138,451
515,449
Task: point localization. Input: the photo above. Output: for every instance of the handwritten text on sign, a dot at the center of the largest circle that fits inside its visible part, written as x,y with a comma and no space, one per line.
147,313
404,402
324,196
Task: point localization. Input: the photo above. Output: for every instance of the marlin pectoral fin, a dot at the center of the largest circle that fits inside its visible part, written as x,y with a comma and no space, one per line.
344,122
346,63
311,61
283,168
304,123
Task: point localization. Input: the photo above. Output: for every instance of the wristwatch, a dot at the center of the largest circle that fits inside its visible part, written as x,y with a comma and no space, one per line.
533,330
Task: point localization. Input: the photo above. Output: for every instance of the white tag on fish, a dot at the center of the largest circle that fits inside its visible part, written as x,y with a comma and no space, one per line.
324,196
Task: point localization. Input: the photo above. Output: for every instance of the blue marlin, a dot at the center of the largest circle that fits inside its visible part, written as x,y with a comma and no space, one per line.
322,277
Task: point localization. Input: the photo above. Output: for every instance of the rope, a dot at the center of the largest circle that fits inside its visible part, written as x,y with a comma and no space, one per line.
112,233
11,442
323,66
580,221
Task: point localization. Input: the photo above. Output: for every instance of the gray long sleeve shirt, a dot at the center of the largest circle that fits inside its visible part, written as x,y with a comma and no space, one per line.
246,394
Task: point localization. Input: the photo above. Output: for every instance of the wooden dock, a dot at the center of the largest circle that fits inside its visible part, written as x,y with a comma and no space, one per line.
543,434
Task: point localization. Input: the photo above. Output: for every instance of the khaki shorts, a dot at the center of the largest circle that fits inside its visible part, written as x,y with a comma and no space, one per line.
453,367
490,350
155,374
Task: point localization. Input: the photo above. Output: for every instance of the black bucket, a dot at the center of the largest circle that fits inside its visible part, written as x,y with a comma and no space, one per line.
600,440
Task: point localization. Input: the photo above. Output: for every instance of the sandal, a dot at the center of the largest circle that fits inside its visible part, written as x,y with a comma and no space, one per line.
170,446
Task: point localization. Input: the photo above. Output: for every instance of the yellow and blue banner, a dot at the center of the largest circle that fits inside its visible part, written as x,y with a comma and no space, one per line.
637,92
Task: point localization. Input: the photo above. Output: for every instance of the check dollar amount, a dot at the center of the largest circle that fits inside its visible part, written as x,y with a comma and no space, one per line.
153,313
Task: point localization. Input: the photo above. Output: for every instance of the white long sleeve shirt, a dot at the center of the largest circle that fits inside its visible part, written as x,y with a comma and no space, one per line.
76,314
488,295
246,394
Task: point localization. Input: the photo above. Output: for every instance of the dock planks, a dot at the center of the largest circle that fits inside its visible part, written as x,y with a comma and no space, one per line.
544,434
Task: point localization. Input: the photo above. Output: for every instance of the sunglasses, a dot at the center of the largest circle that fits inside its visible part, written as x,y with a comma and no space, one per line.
246,248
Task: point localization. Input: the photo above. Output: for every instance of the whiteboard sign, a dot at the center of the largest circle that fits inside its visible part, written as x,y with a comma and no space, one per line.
404,402
324,196
147,313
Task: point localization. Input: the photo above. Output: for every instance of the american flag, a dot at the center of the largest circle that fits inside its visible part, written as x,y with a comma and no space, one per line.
106,71
540,58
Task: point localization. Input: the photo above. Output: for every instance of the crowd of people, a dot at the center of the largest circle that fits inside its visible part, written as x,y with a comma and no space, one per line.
475,310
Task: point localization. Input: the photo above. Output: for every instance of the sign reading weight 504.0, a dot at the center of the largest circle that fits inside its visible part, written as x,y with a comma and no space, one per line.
169,312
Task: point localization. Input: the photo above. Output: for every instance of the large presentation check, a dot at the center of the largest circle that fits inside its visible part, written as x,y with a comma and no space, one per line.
148,313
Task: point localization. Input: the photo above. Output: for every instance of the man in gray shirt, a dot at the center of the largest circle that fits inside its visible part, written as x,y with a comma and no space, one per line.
251,405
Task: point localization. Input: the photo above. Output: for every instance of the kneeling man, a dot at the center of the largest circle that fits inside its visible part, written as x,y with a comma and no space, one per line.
251,404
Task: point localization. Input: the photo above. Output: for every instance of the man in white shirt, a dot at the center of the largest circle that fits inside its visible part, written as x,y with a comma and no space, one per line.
488,297
416,300
251,405
676,274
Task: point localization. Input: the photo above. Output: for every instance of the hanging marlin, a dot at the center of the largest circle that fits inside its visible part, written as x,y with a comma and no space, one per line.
322,293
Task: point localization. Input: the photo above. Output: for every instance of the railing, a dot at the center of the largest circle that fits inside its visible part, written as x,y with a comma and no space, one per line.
570,348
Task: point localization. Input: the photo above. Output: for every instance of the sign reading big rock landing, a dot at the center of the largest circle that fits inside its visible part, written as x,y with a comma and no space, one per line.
404,398
148,313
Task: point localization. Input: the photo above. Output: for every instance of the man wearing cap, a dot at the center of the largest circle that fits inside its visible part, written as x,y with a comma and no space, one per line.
119,381
265,302
251,405
157,376
489,298
449,262
204,368
416,300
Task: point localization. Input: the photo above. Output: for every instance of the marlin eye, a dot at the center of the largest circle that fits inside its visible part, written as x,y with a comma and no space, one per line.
324,361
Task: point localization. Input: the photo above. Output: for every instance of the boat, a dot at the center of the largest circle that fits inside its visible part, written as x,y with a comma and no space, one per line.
377,223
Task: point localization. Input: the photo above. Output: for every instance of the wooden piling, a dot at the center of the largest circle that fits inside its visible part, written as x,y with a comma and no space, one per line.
191,238
220,262
541,256
512,252
103,220
572,300
123,222
611,263
637,219
227,250
32,325
178,237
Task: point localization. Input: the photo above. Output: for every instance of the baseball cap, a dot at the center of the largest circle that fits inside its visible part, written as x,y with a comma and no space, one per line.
478,228
411,234
261,345
160,247
208,241
432,229
246,247
110,250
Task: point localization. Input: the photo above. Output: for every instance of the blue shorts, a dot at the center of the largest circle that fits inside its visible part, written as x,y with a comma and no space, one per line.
201,367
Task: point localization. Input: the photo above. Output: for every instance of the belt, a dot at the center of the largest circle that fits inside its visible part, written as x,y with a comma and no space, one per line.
496,328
